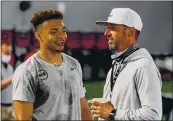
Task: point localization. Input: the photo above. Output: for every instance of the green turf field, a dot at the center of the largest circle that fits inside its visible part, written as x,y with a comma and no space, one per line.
95,89
167,86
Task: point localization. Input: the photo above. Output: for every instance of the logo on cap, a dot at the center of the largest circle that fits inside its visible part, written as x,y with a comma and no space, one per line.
110,15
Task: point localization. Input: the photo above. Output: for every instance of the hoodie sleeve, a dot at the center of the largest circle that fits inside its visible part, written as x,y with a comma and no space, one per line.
148,86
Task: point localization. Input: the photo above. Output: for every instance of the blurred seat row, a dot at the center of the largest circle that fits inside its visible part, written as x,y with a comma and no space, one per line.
87,48
75,39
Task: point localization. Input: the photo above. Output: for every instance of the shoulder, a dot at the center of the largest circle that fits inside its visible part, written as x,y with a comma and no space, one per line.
147,66
70,59
145,62
26,72
11,69
142,58
27,66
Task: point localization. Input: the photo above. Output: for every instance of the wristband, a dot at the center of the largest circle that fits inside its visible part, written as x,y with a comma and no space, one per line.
112,114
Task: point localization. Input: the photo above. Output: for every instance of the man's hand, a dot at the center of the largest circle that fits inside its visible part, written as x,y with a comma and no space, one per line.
100,110
85,111
5,82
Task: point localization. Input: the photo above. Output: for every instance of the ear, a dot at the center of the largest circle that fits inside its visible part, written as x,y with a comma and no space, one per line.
131,31
127,32
132,34
37,36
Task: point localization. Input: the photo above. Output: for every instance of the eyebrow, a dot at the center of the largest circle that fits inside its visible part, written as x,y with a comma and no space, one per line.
57,29
54,29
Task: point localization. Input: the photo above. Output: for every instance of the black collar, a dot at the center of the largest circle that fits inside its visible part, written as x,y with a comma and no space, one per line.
5,64
128,52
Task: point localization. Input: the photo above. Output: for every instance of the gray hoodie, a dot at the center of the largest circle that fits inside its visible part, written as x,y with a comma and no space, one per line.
137,91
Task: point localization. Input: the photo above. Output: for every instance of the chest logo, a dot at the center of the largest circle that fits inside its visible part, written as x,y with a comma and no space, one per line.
42,74
72,68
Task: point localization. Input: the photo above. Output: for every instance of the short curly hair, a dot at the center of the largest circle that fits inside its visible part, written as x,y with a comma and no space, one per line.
45,14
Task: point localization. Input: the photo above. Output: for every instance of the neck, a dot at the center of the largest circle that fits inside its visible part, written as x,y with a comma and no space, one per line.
125,46
51,57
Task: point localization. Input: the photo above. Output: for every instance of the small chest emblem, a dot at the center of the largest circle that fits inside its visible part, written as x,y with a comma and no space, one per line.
42,74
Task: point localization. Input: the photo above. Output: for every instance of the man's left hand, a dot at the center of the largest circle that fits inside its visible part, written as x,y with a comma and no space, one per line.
100,110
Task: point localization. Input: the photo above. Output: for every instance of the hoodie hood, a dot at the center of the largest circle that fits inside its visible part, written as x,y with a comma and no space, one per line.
139,54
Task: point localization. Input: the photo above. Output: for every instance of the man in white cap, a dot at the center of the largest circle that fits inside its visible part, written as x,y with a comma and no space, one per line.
133,85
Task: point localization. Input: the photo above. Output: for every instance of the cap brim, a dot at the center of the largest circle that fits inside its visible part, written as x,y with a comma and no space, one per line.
103,23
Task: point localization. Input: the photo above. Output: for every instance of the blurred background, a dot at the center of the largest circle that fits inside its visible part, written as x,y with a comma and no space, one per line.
86,41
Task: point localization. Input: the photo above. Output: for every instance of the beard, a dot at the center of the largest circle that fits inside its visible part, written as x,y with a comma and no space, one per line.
114,45
113,49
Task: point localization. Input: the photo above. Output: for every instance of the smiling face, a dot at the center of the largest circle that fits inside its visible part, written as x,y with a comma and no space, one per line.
52,35
119,37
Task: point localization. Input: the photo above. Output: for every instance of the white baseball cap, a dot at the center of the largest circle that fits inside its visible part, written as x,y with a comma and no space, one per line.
125,16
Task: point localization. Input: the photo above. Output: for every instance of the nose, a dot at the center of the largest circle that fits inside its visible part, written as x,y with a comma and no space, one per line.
107,33
63,37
